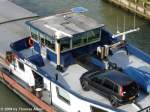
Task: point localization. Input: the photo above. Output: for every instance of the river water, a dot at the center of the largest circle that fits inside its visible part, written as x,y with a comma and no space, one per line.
103,12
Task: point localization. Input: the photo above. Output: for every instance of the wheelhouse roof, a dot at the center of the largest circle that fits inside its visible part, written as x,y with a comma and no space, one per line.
67,24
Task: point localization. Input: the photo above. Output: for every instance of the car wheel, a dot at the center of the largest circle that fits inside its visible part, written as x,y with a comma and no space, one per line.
114,102
85,85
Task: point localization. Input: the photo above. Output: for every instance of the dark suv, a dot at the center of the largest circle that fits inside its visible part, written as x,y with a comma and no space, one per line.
112,84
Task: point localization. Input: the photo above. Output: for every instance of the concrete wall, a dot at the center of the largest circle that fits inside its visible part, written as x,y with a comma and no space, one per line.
140,9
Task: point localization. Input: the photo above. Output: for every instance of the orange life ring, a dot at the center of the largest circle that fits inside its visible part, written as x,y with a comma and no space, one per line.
30,42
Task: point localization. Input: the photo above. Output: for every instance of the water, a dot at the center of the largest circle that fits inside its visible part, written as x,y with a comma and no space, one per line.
98,9
10,100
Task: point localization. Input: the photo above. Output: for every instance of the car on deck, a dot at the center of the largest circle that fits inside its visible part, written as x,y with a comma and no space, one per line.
112,84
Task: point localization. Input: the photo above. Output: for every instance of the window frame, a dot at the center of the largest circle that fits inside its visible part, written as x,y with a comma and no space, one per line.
96,109
76,41
65,100
117,86
21,66
34,32
48,47
98,81
42,38
69,44
107,80
84,36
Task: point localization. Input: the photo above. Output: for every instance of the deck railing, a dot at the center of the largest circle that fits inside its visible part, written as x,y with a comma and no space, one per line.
147,109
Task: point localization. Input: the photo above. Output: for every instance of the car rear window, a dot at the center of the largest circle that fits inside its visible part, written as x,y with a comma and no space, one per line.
130,89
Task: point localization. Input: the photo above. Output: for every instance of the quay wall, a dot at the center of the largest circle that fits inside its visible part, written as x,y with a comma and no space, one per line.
142,9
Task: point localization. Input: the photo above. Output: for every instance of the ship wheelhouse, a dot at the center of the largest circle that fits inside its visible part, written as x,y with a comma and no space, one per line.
62,35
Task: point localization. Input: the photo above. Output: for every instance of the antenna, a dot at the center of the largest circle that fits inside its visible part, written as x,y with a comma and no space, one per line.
134,21
124,24
123,34
117,26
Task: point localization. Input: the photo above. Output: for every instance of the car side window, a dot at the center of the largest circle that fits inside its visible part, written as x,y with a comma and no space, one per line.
108,84
97,80
115,88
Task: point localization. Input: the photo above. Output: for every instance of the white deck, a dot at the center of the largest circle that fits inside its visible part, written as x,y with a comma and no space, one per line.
74,72
72,76
123,60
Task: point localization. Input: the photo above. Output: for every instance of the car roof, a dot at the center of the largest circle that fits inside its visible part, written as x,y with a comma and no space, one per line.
116,77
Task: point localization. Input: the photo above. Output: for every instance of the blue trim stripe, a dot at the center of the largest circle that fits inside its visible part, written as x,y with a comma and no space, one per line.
138,53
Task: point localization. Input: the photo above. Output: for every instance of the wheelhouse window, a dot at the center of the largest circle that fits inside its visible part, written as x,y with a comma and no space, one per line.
34,34
46,41
76,41
65,44
93,35
49,43
21,66
42,39
63,95
86,38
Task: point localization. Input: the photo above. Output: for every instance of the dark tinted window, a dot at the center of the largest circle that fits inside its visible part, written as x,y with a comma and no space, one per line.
63,95
130,89
50,44
97,80
34,34
115,88
65,44
21,66
94,109
77,41
108,84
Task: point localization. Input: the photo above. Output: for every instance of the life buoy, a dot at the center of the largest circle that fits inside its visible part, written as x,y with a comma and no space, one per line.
30,42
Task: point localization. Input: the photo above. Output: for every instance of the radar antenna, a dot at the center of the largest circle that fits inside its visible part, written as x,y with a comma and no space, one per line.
117,26
124,24
134,21
124,33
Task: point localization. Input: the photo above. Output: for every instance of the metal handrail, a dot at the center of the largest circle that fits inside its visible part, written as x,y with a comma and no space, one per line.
146,109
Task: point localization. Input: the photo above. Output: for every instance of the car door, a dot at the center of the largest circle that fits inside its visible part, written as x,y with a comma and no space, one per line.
95,84
108,87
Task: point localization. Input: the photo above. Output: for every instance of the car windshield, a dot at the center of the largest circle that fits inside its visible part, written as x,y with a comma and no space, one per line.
130,89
